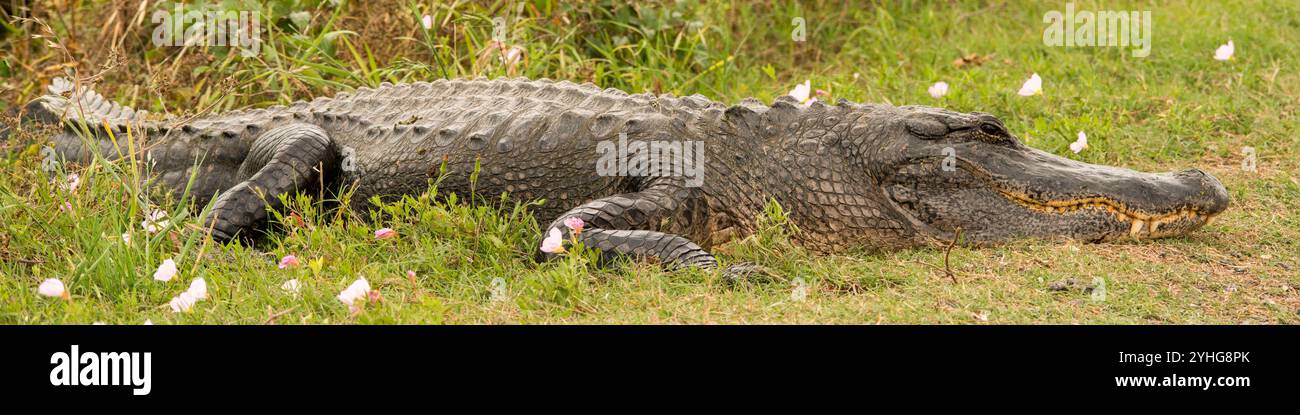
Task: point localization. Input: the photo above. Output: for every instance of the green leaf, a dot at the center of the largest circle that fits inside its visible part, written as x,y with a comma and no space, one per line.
316,265
300,20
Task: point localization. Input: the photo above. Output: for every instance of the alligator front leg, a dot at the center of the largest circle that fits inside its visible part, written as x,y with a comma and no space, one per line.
642,225
282,160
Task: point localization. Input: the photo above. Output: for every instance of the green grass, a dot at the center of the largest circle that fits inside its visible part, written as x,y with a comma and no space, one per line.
474,259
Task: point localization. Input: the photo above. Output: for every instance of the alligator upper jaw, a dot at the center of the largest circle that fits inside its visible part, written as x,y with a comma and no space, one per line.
1152,205
1140,224
1007,193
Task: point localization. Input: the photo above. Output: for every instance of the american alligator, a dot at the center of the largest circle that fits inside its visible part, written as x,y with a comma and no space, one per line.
850,175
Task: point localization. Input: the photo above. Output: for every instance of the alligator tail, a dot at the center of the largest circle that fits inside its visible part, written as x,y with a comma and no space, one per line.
33,113
84,105
80,110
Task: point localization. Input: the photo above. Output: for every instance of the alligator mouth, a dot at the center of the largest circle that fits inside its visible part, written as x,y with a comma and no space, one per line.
1138,220
1045,196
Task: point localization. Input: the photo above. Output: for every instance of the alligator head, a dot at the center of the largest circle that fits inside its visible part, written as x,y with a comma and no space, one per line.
966,171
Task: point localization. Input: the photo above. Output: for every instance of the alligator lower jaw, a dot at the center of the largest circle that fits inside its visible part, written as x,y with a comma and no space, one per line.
1138,220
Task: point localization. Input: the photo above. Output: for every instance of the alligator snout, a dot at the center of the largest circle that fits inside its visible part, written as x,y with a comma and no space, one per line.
1210,198
1162,195
1031,193
1173,203
1122,202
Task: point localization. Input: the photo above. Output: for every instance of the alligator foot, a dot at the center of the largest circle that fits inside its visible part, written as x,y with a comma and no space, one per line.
633,225
746,271
282,160
672,250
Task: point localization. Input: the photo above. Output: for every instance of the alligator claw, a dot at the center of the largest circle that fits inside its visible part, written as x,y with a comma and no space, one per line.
221,236
218,232
746,271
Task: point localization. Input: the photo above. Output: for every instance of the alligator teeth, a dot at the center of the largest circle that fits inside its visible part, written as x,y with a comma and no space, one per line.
1138,219
1136,229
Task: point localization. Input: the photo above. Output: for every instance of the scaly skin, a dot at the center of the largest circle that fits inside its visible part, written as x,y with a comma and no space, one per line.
850,175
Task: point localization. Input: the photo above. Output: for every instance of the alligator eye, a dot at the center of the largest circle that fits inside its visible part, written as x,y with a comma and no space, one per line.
991,129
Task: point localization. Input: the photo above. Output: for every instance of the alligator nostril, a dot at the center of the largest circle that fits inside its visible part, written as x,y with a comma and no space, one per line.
1215,196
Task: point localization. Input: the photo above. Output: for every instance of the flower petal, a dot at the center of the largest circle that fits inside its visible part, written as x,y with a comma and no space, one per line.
359,289
289,261
155,221
71,182
1032,86
52,288
1224,52
198,289
575,223
802,92
1079,144
165,271
554,242
939,89
511,56
183,302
